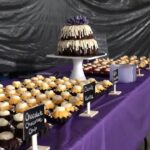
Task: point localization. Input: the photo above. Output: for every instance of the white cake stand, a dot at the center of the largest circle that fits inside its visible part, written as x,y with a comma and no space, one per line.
77,71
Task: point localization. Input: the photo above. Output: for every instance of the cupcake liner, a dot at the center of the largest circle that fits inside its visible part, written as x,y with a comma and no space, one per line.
6,128
8,118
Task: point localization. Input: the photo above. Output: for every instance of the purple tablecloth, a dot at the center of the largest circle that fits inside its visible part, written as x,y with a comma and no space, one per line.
121,124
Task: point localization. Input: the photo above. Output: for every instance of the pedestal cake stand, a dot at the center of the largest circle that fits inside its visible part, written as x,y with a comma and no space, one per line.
77,71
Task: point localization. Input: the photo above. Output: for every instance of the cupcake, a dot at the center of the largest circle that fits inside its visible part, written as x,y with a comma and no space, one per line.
60,88
5,114
68,106
73,81
48,104
52,84
44,86
21,107
60,81
1,86
35,92
26,81
26,95
31,102
106,83
57,99
19,130
4,125
68,84
39,83
65,79
10,87
11,93
17,118
47,80
4,106
2,97
21,90
66,95
34,79
80,96
30,86
8,141
75,100
53,78
50,94
77,89
99,88
40,77
17,84
60,113
14,100
1,90
41,97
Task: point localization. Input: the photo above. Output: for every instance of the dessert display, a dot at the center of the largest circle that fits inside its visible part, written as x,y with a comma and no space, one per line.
76,38
102,66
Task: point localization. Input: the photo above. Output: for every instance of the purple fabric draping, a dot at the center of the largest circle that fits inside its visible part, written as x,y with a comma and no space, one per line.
121,124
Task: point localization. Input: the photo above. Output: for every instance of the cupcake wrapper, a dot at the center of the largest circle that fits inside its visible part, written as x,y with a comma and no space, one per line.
8,118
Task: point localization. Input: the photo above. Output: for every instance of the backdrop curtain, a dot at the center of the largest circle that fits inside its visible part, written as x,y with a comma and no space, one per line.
29,29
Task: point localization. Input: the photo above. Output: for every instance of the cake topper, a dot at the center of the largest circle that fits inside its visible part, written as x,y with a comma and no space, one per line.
77,20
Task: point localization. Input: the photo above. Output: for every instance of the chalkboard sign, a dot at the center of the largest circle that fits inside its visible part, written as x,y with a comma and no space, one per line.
89,92
33,121
115,76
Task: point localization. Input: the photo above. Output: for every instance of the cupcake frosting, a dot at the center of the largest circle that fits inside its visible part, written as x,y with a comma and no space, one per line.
10,87
21,105
18,117
61,87
3,122
59,108
6,135
4,104
4,113
20,125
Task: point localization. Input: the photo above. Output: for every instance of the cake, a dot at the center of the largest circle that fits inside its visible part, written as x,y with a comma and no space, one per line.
76,38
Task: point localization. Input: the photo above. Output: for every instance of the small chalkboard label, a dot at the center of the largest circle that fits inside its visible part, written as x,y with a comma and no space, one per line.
33,121
89,92
115,76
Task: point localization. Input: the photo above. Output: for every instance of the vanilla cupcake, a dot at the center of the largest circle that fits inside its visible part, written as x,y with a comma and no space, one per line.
80,96
68,106
74,82
41,97
4,106
40,77
17,84
4,125
60,113
26,95
44,86
47,80
8,141
5,114
9,87
34,79
57,99
53,78
65,79
14,100
75,100
2,97
60,81
77,89
21,107
48,104
21,90
30,86
31,102
68,84
39,83
66,95
52,84
11,93
50,94
99,88
60,88
1,90
106,83
26,81
35,92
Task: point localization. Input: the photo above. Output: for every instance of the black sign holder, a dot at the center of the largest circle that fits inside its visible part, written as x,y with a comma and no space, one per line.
89,94
33,123
115,81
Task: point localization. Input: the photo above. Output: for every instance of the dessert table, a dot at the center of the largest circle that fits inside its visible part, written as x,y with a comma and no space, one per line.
122,123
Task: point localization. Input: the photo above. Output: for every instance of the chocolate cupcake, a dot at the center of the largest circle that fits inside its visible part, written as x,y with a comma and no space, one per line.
4,125
19,130
8,141
17,118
